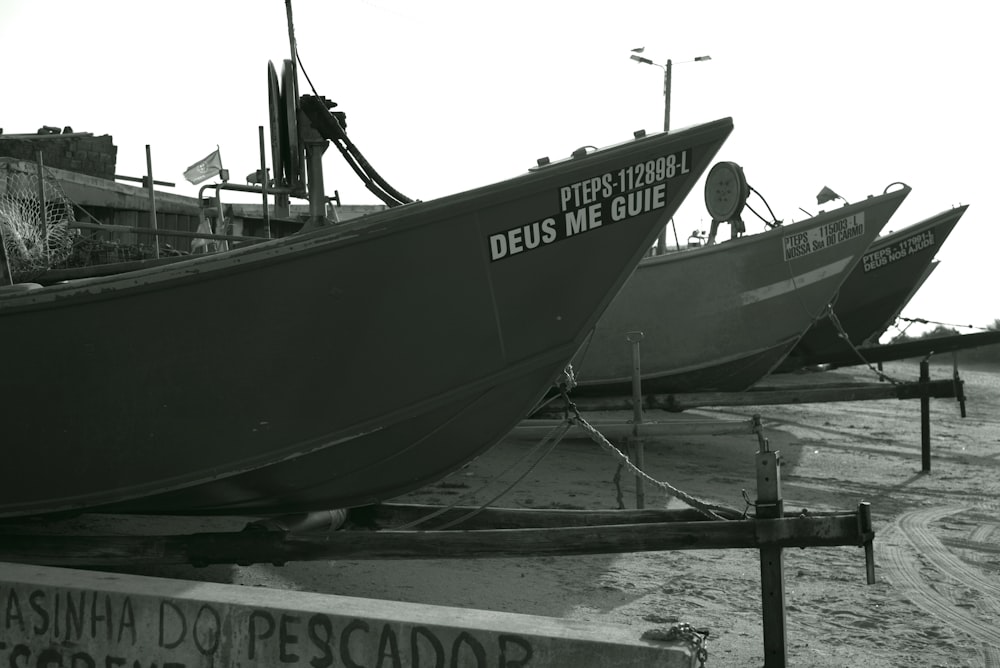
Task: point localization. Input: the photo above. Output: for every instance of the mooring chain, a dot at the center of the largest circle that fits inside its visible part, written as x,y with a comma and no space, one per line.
599,438
695,638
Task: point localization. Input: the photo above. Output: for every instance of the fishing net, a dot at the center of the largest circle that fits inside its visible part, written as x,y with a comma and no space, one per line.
33,243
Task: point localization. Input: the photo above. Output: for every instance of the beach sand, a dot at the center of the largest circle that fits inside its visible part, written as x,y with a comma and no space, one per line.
936,601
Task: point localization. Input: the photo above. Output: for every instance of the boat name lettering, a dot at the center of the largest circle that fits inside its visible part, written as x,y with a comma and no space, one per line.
589,204
827,235
640,175
898,250
42,626
525,237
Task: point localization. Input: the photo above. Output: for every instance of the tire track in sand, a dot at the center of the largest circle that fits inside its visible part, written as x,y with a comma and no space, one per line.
915,528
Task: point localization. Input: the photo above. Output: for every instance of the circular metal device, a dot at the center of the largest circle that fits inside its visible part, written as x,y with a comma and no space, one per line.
275,114
292,152
726,191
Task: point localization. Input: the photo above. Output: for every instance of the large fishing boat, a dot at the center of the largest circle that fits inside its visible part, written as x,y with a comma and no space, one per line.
876,292
720,317
335,367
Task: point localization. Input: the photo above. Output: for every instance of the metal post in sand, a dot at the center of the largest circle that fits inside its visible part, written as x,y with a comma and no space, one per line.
771,506
152,203
636,441
925,418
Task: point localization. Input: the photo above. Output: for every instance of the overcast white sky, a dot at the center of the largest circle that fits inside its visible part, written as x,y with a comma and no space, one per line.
447,95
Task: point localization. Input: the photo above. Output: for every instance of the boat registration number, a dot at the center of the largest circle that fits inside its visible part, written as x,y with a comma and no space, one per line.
898,251
817,238
594,202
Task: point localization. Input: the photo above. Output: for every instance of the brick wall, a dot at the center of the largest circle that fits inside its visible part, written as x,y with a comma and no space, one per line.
77,152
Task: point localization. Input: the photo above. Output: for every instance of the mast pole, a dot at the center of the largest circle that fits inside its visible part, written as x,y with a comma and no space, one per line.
292,49
314,144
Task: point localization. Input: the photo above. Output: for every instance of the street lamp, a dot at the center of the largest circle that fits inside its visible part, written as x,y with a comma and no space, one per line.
667,73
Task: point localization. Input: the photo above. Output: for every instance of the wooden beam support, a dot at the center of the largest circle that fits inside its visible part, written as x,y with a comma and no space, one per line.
799,394
907,350
249,547
157,232
616,427
937,389
390,515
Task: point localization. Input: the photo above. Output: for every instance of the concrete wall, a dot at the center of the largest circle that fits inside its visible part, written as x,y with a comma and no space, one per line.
78,152
79,619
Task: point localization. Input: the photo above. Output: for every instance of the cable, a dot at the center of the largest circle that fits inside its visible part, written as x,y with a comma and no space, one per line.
371,178
922,321
774,218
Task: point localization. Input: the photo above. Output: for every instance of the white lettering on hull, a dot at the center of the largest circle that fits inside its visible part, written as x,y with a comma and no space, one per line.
825,236
612,197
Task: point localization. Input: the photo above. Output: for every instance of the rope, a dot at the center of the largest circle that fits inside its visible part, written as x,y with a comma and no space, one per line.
842,334
901,330
560,429
798,297
922,321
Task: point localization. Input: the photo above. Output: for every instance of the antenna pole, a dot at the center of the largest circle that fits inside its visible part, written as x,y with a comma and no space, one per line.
291,44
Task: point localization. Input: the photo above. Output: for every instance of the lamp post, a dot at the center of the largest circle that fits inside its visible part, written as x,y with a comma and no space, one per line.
667,76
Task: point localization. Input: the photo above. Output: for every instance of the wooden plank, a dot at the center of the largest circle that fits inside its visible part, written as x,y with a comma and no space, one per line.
911,349
863,392
394,514
61,617
622,428
131,230
55,275
107,195
168,222
126,219
249,547
763,395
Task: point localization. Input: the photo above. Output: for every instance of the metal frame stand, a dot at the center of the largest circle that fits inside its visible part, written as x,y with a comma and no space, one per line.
925,418
772,575
636,447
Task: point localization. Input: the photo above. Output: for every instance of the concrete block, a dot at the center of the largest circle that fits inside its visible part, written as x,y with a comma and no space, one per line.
86,619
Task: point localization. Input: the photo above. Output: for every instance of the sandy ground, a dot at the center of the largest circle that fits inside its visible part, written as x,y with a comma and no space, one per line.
937,548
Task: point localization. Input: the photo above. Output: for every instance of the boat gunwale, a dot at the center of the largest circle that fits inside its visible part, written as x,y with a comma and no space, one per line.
373,225
653,376
590,380
948,217
808,223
